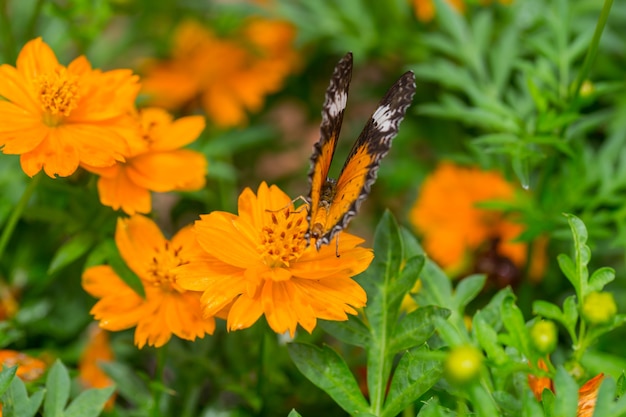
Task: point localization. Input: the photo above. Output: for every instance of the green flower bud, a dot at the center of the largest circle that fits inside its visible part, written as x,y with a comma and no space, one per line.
544,336
463,364
599,307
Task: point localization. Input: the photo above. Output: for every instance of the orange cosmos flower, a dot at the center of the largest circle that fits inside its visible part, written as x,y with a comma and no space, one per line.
167,308
56,117
258,263
540,383
425,9
97,351
587,394
154,163
229,76
28,368
446,213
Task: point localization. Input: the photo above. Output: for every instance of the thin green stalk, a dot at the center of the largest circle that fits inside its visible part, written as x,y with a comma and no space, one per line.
10,51
9,227
593,47
160,369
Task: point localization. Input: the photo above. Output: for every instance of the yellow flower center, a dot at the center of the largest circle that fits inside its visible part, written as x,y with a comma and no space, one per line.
282,238
160,270
58,94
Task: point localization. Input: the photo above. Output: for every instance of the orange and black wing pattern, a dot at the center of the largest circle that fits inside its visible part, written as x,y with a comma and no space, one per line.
332,117
335,203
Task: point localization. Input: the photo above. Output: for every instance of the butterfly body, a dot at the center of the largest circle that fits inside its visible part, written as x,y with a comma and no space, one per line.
333,203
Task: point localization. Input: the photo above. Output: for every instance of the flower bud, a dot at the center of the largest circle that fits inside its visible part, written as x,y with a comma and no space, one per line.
544,336
463,363
599,307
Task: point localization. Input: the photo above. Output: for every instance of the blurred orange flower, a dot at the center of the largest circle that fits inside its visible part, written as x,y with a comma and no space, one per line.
425,9
229,76
97,351
167,308
8,301
56,117
587,394
258,263
29,368
540,383
455,230
154,163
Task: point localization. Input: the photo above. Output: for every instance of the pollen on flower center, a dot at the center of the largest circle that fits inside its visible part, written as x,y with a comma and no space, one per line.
58,93
282,238
160,270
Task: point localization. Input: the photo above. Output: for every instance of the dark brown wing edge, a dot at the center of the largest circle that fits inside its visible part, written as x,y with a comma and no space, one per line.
377,135
332,117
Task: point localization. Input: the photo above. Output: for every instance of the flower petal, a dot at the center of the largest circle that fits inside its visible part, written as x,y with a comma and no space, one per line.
221,235
244,313
120,192
167,171
53,154
137,239
179,133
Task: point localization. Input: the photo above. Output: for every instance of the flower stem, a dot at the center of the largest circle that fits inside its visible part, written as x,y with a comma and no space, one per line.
160,368
7,231
593,47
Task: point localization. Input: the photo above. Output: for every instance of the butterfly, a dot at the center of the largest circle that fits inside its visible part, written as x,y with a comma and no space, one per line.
333,203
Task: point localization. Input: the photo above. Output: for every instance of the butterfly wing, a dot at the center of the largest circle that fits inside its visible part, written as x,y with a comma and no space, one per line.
361,167
332,117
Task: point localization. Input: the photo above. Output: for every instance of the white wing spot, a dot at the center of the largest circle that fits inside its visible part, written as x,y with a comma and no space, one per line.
338,104
382,118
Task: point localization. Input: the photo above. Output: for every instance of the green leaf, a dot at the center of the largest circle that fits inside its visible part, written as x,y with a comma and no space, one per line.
566,394
483,403
491,313
415,328
388,251
70,251
129,385
294,413
604,399
89,403
600,278
582,255
621,385
6,376
468,289
570,312
436,288
548,310
16,403
530,405
513,321
58,390
352,331
450,334
327,370
401,286
383,306
487,338
412,378
432,408
548,399
569,269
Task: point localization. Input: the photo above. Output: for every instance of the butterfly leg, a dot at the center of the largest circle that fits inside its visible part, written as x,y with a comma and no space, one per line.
298,210
337,245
